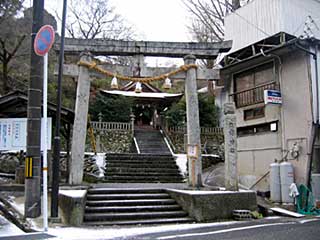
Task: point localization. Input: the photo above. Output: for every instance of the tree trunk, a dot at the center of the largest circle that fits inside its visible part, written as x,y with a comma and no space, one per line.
235,4
5,78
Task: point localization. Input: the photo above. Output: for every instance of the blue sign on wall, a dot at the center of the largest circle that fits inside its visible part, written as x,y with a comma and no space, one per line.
272,96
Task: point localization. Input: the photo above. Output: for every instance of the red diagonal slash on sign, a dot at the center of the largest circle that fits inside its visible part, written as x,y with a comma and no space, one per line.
44,40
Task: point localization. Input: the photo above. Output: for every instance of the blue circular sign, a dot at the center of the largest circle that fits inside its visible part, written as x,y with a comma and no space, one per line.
44,40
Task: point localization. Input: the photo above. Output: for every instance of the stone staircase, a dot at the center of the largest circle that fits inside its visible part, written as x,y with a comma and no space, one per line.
110,206
151,141
141,168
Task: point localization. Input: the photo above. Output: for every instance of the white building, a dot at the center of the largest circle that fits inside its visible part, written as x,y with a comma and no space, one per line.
274,48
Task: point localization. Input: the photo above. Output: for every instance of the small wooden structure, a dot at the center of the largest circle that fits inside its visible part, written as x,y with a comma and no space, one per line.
14,105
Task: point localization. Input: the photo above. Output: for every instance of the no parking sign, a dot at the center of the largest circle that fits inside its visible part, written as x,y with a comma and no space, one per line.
43,40
42,44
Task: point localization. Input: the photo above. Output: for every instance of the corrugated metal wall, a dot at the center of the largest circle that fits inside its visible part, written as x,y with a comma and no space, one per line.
263,18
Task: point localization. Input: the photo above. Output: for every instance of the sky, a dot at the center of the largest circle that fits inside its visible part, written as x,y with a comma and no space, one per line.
154,20
158,20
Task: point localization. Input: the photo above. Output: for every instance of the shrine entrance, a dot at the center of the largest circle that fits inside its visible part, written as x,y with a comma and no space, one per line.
143,115
87,69
148,104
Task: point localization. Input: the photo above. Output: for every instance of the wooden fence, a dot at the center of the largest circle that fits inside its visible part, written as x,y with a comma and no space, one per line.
111,126
203,130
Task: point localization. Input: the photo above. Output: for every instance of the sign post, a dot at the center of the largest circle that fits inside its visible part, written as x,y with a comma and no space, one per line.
42,44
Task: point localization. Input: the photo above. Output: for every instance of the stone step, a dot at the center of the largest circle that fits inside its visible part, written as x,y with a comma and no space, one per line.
102,190
127,196
145,178
148,134
135,165
157,151
158,147
113,209
130,202
133,216
136,156
145,161
150,142
154,137
128,173
138,169
128,206
122,180
145,221
147,131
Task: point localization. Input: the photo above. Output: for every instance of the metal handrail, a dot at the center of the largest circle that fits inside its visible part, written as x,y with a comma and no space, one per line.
252,96
253,88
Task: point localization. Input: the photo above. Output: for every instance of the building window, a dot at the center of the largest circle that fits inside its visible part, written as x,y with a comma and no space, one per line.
249,85
253,113
257,129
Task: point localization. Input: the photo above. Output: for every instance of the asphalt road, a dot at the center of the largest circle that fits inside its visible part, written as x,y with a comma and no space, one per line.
281,229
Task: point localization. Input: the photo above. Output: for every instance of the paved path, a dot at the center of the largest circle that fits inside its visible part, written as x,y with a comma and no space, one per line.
279,229
9,231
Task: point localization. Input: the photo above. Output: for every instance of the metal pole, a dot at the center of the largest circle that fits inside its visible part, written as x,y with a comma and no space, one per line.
32,185
44,143
56,153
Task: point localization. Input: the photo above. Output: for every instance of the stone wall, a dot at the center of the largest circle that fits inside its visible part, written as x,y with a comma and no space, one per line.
210,143
112,142
9,162
177,139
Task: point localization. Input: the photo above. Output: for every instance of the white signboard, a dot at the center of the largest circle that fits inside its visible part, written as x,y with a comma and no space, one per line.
13,134
272,96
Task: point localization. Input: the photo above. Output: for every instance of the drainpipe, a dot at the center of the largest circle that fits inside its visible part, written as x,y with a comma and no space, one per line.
314,129
281,109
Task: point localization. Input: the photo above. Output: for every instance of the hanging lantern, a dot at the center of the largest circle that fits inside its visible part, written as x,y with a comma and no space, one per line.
138,87
114,83
167,83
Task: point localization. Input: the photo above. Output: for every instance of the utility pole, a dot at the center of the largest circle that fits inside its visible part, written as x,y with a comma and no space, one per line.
57,145
33,182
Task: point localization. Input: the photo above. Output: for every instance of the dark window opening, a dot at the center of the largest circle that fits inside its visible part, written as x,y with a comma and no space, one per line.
253,113
256,129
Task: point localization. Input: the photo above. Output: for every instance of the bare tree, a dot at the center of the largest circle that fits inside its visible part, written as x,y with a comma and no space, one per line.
91,19
9,8
208,17
10,39
207,21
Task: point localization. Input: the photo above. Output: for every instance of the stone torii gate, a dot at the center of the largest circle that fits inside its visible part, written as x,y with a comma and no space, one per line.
188,51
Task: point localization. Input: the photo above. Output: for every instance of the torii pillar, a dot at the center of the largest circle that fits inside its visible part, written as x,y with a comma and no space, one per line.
80,124
193,124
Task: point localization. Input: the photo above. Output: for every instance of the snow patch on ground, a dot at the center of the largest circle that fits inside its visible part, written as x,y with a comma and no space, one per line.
73,193
181,161
100,161
7,228
206,192
17,203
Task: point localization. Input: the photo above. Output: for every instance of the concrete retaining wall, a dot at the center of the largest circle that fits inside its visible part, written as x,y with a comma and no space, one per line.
213,205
